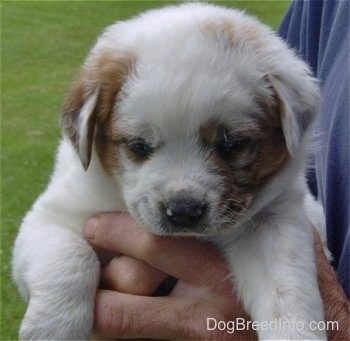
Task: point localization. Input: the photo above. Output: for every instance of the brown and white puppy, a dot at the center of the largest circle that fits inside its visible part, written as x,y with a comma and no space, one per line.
193,118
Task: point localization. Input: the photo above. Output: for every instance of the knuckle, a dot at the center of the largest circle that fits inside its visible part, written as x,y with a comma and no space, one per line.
128,275
129,278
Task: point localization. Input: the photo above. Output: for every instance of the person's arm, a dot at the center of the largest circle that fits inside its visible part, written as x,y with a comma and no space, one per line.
203,289
335,302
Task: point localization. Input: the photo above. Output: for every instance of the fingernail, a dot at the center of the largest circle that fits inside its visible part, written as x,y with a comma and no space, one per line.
90,228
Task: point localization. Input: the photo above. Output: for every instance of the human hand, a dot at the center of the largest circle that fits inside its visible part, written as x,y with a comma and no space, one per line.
127,309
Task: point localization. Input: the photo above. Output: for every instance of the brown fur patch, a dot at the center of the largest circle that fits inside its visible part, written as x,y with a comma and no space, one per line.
261,154
107,147
111,70
209,132
113,73
106,72
254,34
71,107
220,29
224,29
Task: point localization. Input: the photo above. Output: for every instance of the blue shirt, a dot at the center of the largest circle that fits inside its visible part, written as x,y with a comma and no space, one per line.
319,32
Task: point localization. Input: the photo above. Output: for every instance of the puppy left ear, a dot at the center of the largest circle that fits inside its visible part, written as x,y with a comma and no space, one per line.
298,101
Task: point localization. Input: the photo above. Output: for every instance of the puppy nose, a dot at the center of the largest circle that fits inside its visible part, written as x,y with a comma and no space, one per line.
185,213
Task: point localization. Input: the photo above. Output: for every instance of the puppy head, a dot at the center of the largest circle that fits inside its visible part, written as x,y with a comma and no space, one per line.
193,109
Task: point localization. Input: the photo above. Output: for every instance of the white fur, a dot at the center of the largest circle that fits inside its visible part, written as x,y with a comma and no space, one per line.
181,79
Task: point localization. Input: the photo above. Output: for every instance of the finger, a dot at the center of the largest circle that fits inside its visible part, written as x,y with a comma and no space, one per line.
176,256
118,315
131,276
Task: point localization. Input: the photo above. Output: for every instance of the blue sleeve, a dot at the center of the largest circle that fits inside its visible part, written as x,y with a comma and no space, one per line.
319,32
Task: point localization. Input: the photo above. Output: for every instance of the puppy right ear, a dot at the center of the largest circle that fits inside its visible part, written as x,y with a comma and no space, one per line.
91,99
78,119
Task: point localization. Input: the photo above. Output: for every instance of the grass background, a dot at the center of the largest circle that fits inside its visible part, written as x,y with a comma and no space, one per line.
43,44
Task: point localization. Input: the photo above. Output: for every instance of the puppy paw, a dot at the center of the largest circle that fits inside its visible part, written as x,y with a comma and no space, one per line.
43,322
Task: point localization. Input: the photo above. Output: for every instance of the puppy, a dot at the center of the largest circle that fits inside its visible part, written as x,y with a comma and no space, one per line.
193,118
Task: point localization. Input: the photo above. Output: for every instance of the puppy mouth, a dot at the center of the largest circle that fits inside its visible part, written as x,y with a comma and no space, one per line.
186,222
202,231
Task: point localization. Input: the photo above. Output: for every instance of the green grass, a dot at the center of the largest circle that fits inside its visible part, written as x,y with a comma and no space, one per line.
43,44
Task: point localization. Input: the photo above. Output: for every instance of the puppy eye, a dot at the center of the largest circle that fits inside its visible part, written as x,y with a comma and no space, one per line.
229,146
140,148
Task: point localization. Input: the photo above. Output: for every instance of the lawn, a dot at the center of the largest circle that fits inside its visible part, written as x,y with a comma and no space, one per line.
43,44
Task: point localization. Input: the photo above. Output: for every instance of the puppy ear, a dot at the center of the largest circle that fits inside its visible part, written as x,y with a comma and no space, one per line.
78,119
298,102
91,99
